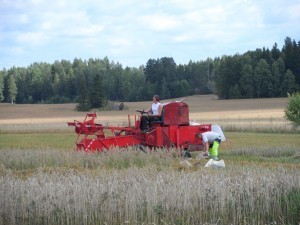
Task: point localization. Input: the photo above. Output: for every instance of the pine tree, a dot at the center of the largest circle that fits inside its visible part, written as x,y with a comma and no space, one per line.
246,81
12,89
98,99
83,99
288,83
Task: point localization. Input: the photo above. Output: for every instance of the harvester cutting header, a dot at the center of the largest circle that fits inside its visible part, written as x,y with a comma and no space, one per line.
173,129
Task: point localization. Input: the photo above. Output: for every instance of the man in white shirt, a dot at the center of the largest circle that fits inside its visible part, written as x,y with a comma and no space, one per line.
211,141
153,113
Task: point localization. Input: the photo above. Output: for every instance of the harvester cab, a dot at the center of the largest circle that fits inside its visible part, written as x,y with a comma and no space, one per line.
172,130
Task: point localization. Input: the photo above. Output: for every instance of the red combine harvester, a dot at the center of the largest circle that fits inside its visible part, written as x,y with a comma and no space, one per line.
173,130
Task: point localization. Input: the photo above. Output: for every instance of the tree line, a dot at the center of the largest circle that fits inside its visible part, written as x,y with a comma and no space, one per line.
91,83
262,73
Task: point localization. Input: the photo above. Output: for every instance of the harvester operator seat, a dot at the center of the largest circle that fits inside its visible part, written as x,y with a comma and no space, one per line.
161,120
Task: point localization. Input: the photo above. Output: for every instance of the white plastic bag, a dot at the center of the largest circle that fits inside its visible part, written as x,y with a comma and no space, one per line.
215,164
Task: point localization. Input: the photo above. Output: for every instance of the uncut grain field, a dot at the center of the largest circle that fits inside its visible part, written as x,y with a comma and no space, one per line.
44,181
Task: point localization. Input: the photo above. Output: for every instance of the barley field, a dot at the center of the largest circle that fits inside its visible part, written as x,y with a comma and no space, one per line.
44,181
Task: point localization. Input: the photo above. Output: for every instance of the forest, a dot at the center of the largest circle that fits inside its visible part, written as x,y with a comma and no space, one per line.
260,73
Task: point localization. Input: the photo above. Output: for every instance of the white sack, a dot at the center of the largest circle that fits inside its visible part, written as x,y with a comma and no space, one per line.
215,164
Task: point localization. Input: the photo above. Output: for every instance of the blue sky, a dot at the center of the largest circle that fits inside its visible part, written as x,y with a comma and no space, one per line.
132,31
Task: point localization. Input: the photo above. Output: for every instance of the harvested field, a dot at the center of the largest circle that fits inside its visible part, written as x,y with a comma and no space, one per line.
232,114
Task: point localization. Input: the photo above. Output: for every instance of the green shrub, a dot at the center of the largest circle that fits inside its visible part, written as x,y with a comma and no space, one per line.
292,111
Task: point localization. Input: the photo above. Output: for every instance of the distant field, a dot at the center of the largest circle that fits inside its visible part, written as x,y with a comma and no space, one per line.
204,109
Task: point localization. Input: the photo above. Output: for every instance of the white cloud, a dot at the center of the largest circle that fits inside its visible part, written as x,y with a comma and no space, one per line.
134,30
160,22
34,38
119,42
23,18
293,12
70,24
16,50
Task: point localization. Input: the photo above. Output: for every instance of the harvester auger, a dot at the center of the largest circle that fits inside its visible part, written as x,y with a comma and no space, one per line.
172,130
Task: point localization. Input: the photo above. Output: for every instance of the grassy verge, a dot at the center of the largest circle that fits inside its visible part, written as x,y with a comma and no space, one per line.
65,141
40,141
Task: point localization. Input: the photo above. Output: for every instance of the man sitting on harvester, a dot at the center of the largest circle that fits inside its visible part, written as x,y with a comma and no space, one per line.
153,114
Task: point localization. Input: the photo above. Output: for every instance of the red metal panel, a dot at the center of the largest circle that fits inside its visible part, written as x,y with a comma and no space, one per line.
159,137
151,138
188,135
176,113
172,132
108,142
